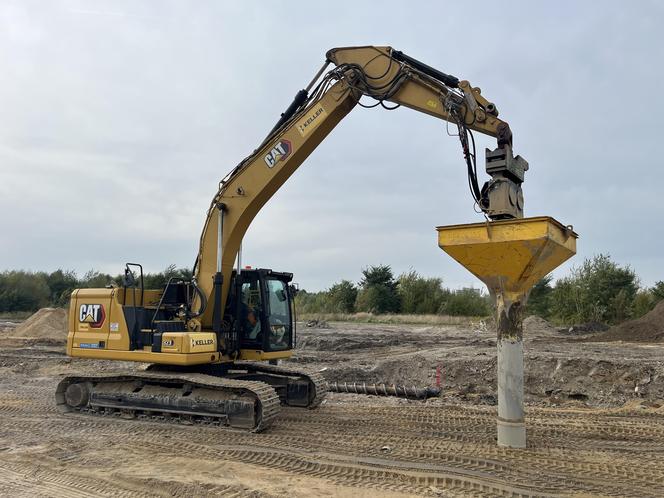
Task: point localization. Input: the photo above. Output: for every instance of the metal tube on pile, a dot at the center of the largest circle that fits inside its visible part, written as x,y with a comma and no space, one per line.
509,325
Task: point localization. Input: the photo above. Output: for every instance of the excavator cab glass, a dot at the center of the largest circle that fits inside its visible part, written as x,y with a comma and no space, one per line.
250,311
264,310
279,320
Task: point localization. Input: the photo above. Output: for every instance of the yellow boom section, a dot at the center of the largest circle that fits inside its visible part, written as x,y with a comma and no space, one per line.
378,72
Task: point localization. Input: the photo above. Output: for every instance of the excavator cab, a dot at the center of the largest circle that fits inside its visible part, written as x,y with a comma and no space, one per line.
261,307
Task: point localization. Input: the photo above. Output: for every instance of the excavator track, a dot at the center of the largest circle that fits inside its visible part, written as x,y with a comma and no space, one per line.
317,386
294,386
187,398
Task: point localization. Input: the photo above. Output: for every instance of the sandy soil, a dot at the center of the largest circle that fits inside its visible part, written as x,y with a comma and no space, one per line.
562,369
595,420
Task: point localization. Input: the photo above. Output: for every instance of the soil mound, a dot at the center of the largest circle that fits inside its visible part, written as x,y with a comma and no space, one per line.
48,324
648,328
536,325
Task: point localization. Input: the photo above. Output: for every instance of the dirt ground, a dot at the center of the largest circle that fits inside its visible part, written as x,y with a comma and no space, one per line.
595,418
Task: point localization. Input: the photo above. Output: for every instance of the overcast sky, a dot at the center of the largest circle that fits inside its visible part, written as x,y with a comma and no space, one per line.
118,119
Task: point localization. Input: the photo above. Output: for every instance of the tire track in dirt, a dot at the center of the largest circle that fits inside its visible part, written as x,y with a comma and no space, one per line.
620,432
371,473
430,447
297,424
57,483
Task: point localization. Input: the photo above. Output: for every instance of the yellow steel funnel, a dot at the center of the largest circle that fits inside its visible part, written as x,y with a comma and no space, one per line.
509,256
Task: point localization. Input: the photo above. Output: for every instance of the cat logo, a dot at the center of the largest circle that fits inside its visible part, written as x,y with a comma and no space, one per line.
279,152
92,314
168,343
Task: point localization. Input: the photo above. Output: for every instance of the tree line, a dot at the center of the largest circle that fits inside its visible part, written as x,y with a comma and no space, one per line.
598,290
379,291
29,291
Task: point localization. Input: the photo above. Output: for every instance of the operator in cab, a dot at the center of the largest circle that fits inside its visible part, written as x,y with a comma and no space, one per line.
252,325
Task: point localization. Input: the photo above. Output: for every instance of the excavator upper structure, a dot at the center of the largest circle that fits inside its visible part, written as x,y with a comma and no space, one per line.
213,342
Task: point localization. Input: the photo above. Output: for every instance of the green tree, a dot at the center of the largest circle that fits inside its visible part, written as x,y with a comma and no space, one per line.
97,280
312,302
302,300
61,284
644,301
379,291
599,290
657,291
342,297
421,295
159,280
23,291
539,301
467,302
377,299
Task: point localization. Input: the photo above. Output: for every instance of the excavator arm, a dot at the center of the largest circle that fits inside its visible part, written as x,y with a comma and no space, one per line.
386,75
393,76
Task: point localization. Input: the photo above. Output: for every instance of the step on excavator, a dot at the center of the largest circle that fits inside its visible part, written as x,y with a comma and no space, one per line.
213,343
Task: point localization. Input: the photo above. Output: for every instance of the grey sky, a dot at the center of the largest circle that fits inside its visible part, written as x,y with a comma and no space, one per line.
119,118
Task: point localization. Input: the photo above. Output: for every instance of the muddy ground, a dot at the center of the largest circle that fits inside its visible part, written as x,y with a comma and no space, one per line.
595,417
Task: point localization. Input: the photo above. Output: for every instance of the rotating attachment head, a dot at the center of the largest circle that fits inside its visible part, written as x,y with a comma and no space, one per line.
502,196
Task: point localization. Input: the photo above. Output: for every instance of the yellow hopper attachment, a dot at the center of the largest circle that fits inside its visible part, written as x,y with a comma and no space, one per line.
510,256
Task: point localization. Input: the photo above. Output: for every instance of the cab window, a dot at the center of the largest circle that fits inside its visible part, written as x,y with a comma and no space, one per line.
250,311
279,315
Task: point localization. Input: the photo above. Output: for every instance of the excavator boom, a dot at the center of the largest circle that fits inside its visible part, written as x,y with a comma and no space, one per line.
386,75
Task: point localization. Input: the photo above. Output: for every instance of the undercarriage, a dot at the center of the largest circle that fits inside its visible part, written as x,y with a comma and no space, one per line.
242,395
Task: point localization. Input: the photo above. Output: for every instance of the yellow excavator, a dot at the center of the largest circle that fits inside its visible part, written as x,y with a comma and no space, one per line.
213,343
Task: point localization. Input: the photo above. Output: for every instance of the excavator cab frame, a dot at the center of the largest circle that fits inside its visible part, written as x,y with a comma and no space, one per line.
260,312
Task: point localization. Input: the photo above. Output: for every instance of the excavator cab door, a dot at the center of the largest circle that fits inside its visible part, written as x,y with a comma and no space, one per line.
278,311
249,320
263,306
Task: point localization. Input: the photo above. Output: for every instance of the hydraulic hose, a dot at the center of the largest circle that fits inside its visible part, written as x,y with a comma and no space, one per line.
202,297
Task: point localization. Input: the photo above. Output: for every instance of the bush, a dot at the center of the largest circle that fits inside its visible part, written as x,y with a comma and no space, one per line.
379,291
657,291
467,302
643,303
539,300
599,290
419,295
61,284
312,302
159,280
342,297
97,280
23,291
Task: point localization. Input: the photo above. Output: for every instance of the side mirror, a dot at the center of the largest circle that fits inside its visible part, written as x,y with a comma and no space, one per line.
294,289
